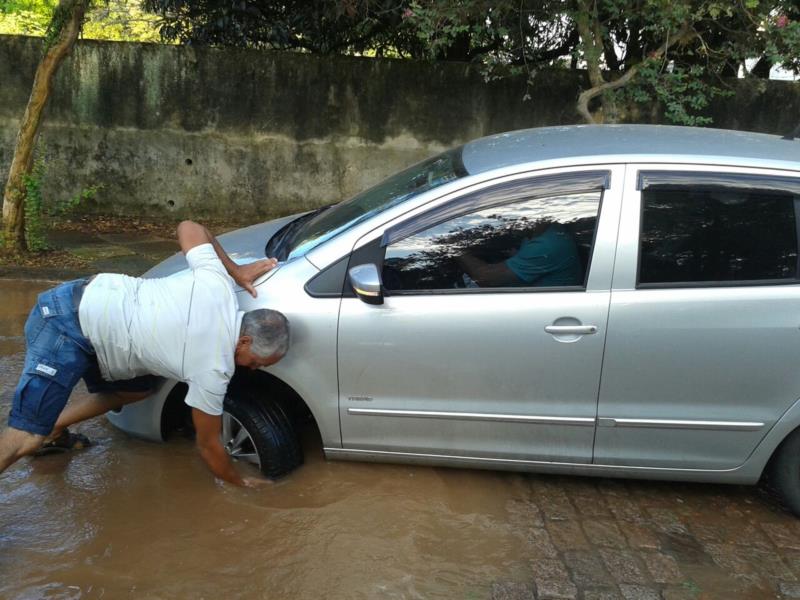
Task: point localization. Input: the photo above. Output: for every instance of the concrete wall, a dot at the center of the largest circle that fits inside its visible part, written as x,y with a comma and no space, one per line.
244,134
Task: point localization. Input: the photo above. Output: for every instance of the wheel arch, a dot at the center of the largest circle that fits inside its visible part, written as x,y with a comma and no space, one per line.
176,414
763,454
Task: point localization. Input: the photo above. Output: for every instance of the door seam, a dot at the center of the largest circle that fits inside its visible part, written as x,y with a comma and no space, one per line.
608,311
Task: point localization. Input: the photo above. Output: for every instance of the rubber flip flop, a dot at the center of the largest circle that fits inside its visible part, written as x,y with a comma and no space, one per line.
64,443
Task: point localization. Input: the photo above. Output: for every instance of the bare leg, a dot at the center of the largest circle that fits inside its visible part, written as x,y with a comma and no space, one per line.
14,444
97,404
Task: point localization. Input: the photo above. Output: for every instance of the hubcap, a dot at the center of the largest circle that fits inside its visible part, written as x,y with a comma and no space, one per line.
237,441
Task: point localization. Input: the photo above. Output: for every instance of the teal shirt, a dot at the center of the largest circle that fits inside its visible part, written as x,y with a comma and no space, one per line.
550,259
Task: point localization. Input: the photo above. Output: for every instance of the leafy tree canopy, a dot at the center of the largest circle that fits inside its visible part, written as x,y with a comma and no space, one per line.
116,20
332,26
635,52
675,51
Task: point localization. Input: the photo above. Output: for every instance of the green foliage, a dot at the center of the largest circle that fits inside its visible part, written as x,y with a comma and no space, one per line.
61,15
681,91
330,27
41,18
39,217
439,25
783,41
677,51
26,17
35,230
122,21
115,20
71,205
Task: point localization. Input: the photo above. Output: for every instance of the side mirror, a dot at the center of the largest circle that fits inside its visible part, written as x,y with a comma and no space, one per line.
366,282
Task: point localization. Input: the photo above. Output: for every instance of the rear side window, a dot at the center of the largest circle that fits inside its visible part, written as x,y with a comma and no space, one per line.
717,234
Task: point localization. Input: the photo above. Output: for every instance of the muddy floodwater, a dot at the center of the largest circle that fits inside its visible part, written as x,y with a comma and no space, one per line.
132,519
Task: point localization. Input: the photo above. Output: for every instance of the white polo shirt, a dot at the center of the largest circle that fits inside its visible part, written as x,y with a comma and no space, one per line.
183,327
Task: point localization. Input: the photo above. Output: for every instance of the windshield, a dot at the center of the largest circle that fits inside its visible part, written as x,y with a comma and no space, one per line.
420,178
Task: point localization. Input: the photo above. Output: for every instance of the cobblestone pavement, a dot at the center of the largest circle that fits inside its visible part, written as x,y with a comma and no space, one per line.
595,539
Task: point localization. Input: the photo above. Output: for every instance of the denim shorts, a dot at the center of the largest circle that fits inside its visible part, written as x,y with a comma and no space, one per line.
57,356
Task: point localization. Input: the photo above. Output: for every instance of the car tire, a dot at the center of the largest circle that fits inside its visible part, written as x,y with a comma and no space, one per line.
269,434
784,472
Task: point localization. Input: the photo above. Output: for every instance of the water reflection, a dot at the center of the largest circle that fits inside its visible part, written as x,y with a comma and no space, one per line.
130,519
127,519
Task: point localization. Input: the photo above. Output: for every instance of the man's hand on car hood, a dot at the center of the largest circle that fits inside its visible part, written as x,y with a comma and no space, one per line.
245,275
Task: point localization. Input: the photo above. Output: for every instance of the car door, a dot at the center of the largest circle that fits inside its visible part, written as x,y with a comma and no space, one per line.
459,361
701,353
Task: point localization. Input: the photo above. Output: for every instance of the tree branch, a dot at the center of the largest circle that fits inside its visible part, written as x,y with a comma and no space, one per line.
684,35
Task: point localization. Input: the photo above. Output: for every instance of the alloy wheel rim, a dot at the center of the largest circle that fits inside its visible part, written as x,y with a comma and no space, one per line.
237,440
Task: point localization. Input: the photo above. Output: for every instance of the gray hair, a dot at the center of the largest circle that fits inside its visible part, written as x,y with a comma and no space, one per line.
269,330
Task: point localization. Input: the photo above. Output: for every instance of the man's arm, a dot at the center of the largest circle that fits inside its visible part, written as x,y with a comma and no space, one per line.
208,429
191,234
487,274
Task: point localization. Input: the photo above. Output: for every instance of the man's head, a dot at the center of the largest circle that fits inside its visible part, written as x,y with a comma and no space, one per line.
263,339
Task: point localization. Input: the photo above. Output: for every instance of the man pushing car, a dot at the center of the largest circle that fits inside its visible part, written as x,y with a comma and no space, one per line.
117,332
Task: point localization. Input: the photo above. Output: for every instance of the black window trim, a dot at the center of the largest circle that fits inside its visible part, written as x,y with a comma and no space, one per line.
326,283
371,252
487,290
562,183
706,180
710,180
733,283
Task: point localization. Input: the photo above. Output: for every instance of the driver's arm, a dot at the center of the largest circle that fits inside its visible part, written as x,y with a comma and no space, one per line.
487,274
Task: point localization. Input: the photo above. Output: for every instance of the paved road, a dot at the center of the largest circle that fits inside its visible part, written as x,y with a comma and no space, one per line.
607,539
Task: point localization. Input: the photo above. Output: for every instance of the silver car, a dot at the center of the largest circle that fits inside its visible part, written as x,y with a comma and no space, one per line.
620,301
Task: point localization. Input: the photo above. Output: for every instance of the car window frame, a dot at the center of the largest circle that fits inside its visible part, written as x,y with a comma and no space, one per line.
572,182
679,179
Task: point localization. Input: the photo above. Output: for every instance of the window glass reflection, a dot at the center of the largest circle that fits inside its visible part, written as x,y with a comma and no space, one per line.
537,242
717,236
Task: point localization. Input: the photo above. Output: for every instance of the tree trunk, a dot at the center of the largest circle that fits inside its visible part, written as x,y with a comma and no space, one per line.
600,87
66,22
588,24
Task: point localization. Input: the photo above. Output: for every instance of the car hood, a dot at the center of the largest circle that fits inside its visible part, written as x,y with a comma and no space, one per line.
243,246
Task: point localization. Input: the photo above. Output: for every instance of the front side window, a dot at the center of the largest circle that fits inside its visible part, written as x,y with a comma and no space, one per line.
702,236
538,242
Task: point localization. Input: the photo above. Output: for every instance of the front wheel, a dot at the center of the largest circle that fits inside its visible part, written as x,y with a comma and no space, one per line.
261,433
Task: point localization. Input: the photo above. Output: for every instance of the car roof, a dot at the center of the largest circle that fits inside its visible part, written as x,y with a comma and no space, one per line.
626,142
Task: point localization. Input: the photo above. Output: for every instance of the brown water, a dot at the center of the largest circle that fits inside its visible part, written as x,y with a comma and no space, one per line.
131,519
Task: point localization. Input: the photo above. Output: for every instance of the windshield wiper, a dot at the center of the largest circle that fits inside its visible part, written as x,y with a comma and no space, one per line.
278,245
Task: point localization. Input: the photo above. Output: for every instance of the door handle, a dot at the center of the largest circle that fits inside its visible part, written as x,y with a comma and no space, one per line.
571,329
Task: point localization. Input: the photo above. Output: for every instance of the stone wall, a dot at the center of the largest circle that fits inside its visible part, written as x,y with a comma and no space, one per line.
241,135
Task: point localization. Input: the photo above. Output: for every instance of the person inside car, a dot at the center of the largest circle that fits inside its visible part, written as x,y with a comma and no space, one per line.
117,332
547,257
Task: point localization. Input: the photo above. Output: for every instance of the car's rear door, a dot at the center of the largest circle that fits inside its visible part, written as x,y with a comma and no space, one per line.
452,365
701,353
